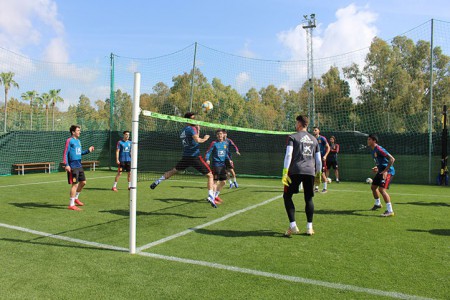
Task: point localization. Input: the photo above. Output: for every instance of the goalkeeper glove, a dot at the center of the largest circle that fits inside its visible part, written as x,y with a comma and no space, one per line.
285,179
318,178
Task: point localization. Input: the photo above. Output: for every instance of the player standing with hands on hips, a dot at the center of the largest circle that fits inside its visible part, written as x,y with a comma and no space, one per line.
73,167
123,159
384,172
301,164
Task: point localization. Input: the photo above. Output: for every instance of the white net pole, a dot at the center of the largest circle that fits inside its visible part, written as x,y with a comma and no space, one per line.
134,156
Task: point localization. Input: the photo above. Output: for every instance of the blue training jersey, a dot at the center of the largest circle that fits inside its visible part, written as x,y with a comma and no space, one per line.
72,153
231,144
381,158
124,148
190,147
217,153
322,144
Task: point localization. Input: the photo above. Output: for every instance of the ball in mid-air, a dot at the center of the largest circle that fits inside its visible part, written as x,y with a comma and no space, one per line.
328,180
207,106
369,180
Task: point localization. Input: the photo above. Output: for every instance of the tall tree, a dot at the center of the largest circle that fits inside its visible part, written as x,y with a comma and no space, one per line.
45,100
30,96
6,79
55,98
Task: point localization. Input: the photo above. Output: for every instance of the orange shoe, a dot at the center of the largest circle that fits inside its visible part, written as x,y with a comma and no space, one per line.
78,202
114,189
217,200
74,208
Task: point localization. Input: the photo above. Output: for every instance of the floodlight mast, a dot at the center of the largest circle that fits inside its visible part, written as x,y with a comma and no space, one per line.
309,24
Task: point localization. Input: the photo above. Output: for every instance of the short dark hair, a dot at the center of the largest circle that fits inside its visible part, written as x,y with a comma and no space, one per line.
73,128
303,120
189,115
316,127
126,131
219,130
373,137
333,137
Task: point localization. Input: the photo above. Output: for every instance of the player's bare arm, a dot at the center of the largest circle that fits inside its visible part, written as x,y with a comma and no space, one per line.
200,140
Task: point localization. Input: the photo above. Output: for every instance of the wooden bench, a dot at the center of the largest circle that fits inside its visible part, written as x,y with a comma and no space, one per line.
46,166
92,164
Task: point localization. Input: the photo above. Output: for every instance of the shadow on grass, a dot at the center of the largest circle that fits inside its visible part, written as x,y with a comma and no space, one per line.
444,232
184,200
423,203
97,189
351,212
239,233
56,245
122,212
33,205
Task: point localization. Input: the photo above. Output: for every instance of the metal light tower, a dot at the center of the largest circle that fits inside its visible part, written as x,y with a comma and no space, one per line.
309,24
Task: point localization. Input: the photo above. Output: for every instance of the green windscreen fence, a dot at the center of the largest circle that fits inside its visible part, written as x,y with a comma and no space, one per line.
262,152
19,147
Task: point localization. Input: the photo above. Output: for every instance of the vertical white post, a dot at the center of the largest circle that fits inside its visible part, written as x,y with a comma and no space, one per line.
134,159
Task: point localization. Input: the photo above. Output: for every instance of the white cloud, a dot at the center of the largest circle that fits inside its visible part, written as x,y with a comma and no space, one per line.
243,82
352,30
246,52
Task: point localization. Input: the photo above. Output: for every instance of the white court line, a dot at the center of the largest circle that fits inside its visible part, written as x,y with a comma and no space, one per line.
46,182
64,238
155,243
295,279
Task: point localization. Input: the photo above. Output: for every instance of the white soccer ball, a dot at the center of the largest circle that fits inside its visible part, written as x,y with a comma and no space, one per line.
369,180
328,180
207,106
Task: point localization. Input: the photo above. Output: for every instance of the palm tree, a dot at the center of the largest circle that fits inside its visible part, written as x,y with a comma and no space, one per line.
30,96
7,80
55,98
44,99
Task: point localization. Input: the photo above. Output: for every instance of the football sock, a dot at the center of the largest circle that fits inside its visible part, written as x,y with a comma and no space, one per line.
377,201
77,195
325,185
115,184
389,207
211,194
293,224
72,202
309,225
231,182
234,179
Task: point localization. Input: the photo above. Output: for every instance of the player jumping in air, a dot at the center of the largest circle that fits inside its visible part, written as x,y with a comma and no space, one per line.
123,159
216,155
72,161
191,140
384,172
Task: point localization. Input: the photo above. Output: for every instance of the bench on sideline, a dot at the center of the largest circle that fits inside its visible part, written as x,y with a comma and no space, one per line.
46,166
92,164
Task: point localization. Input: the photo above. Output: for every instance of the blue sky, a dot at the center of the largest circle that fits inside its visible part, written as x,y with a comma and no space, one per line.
80,31
71,31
